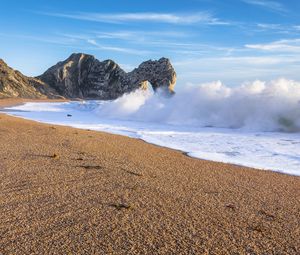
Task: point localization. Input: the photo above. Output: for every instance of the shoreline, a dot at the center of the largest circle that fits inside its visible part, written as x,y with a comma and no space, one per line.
6,102
18,101
71,190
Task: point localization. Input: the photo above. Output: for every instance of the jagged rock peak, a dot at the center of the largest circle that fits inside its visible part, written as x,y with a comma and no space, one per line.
83,76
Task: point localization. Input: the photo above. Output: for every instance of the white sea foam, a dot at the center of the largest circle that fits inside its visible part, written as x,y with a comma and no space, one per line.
32,107
257,106
256,124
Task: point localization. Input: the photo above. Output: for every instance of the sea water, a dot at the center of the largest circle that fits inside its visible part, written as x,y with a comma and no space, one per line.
255,125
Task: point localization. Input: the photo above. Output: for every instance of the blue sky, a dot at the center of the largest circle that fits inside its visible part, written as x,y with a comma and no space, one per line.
207,40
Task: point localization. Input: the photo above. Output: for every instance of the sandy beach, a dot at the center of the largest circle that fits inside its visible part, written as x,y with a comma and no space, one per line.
71,191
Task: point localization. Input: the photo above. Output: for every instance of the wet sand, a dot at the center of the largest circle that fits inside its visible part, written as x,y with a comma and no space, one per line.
70,191
17,101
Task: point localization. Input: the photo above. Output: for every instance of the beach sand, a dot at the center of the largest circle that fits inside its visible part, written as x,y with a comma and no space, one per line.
70,191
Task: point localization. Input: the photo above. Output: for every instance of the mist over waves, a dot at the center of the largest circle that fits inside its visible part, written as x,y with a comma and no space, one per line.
256,106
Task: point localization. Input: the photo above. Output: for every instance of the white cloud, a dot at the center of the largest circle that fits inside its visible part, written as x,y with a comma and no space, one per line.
291,45
240,60
277,28
171,18
92,41
269,26
154,41
236,69
271,5
297,27
44,39
117,49
138,35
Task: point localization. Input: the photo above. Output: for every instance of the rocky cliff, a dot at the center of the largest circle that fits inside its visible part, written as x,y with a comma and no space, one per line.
83,76
15,84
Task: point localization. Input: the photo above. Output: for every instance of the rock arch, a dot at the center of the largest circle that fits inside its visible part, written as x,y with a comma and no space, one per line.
159,73
83,76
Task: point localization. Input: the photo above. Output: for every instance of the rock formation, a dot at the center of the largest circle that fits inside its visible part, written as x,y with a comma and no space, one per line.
15,84
83,76
160,74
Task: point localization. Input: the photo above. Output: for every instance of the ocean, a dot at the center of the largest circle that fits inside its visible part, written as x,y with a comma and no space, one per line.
256,124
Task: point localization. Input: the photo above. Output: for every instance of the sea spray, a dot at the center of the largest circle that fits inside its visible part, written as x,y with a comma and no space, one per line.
256,106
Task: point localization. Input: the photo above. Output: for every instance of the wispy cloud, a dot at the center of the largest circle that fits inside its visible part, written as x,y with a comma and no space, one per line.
296,28
266,26
276,28
117,49
77,41
93,42
242,60
237,69
271,5
171,42
44,39
171,18
291,45
138,35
